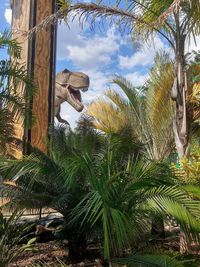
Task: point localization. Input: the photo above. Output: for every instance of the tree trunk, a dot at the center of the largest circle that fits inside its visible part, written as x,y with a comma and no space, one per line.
181,123
182,120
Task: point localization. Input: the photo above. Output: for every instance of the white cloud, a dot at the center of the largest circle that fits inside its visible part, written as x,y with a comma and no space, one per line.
136,78
90,52
68,36
8,15
144,55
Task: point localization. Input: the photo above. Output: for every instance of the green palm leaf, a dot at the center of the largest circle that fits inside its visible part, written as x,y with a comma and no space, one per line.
151,260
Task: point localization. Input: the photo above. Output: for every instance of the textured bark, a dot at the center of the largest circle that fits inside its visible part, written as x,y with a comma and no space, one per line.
182,120
181,124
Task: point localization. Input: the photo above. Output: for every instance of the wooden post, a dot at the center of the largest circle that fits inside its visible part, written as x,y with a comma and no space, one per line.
38,54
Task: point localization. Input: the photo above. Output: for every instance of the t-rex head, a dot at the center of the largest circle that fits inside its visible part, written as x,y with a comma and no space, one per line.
68,87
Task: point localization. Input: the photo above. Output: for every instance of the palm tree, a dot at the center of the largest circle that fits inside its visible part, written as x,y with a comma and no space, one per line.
148,114
12,104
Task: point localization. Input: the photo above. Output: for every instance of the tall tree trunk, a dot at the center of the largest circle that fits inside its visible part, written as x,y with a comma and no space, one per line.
182,121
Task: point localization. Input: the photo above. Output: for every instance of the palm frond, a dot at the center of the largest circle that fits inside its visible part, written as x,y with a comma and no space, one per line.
107,117
176,204
93,12
6,41
135,114
151,260
11,233
159,106
149,117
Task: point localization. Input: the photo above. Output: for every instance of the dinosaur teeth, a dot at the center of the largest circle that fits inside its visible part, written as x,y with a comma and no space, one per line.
75,97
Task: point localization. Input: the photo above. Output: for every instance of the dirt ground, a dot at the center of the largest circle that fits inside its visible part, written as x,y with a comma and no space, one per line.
50,252
45,252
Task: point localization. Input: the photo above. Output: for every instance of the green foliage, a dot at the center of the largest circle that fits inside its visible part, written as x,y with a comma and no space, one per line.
105,189
188,170
13,104
11,234
150,260
118,197
194,67
6,41
146,113
63,4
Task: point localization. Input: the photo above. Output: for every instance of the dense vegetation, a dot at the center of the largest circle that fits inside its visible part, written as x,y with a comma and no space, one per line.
125,174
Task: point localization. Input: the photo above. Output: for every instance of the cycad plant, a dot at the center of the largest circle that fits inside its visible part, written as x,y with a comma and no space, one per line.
106,190
13,104
38,181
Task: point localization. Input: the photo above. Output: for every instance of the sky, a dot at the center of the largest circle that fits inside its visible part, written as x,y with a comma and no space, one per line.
100,53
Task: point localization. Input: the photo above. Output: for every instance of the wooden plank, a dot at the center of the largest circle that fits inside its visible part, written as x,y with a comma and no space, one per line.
39,56
43,58
20,24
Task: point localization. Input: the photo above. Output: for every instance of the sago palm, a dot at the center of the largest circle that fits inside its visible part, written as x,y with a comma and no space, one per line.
38,181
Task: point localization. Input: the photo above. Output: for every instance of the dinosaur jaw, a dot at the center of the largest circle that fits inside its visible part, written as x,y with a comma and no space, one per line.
74,98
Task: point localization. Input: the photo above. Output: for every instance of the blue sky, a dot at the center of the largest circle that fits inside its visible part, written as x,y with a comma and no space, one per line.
98,53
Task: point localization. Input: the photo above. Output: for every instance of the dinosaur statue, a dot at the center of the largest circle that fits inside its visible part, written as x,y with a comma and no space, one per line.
68,87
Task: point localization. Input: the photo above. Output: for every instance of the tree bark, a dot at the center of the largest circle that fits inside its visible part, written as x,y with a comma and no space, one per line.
181,123
182,120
